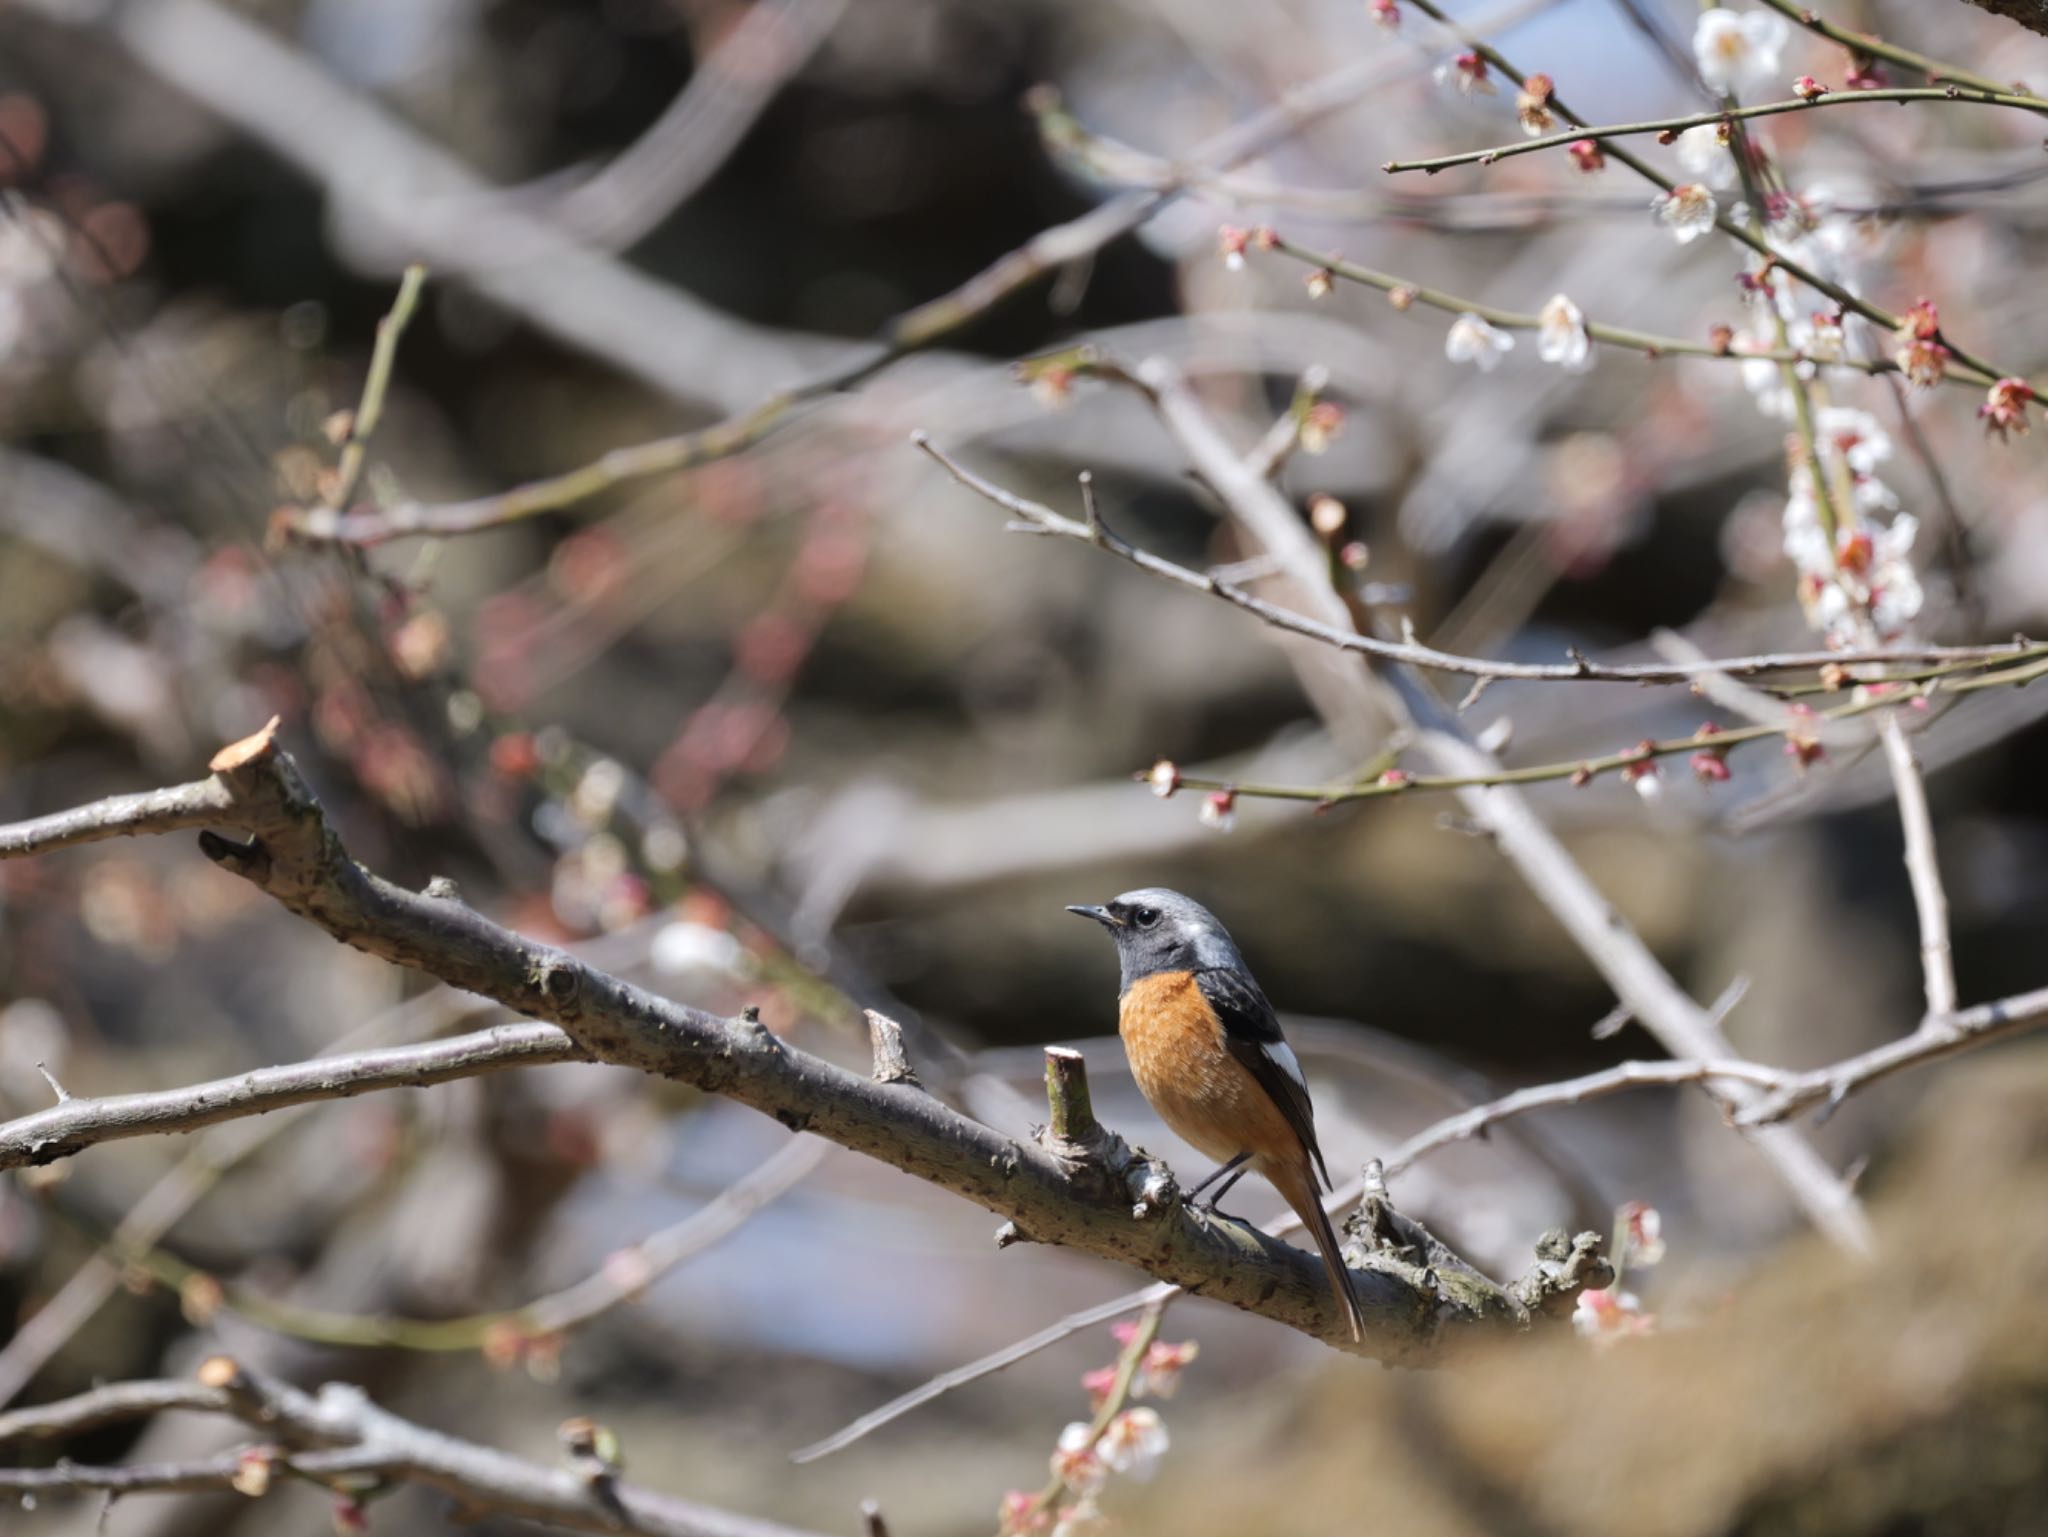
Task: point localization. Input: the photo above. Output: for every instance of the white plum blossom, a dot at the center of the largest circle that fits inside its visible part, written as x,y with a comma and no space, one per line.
1688,209
1865,574
1855,435
1561,336
1895,593
1704,154
1765,381
1133,1443
1078,1463
1472,340
1738,50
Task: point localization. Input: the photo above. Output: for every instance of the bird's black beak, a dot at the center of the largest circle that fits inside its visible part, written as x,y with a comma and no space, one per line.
1101,915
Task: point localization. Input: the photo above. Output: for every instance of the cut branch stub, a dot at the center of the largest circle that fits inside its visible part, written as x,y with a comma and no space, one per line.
892,1062
1066,1096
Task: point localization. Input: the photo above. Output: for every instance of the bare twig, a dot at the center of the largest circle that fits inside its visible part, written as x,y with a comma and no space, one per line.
1939,1037
1985,98
1045,519
369,411
1477,1121
1647,343
114,1404
1859,43
80,1123
1923,867
339,1437
43,1333
120,816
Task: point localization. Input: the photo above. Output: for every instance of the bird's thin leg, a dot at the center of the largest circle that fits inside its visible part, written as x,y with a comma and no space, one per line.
1235,1171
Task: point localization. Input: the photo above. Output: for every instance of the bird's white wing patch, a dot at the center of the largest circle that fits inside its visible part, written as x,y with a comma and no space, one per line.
1283,1054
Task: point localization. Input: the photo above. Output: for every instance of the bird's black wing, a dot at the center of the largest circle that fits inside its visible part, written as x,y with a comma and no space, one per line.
1252,1032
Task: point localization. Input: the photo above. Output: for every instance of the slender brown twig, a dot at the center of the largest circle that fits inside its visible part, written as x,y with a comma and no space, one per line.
1036,517
1666,125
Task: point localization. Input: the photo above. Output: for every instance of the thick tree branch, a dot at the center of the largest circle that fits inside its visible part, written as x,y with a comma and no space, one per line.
2031,14
1100,1197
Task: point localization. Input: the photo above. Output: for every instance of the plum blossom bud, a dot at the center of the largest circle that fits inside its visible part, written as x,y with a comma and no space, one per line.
1355,555
1019,1515
1641,771
1387,13
1532,105
2005,408
349,1515
1099,1384
1159,1373
1642,1235
1326,515
1587,155
1401,297
1133,1443
1231,239
1917,346
1219,810
1688,210
1319,282
1320,424
1164,778
1720,337
1864,73
1806,88
1801,745
1467,72
1738,51
1395,778
1561,336
1710,764
1472,340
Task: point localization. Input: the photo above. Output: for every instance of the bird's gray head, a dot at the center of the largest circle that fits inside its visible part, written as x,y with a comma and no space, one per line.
1159,930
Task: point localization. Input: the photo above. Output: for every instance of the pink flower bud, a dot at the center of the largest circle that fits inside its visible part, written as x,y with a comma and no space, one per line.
2005,408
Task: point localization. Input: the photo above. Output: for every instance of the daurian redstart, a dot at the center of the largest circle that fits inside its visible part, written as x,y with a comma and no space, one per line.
1206,1050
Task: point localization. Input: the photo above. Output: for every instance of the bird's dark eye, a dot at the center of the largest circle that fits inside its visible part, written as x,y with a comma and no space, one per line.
1145,917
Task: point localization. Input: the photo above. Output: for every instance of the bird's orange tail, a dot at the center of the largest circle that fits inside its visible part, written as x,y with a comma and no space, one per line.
1298,1184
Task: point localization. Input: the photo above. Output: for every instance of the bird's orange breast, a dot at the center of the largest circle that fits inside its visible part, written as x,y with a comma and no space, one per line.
1187,1074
